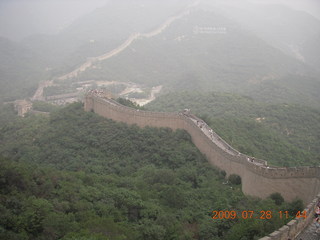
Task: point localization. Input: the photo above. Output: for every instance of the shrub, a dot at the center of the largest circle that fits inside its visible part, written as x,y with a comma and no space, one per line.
277,198
235,179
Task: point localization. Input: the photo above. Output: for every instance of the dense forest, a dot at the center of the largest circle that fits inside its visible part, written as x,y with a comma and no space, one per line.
75,175
283,134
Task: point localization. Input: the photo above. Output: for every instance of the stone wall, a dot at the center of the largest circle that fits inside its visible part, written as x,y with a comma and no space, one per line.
258,179
293,228
22,107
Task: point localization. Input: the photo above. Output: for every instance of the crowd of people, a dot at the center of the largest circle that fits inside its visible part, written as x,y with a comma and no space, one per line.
204,127
209,132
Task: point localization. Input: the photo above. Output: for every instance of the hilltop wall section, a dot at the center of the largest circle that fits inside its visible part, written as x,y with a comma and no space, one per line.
258,179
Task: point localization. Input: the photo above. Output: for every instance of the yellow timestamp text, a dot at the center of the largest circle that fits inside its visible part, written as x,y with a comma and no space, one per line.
250,214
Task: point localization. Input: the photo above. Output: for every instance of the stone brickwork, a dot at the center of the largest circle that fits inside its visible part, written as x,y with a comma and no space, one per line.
295,228
258,179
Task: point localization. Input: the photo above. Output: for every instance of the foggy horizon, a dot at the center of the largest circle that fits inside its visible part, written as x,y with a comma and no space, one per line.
23,18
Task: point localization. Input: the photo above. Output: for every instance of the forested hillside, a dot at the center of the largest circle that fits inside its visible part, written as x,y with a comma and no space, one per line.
283,134
75,175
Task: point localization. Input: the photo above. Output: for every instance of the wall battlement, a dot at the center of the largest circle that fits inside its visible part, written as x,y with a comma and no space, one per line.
258,179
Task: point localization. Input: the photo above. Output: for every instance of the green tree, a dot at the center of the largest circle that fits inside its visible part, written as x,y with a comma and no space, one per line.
235,179
277,198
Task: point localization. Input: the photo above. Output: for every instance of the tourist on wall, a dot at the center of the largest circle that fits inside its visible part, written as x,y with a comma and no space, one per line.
317,222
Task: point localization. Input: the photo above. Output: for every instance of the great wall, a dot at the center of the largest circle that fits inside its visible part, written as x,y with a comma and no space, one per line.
135,36
258,179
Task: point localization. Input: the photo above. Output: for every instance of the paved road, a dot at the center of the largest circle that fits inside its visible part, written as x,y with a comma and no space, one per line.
309,233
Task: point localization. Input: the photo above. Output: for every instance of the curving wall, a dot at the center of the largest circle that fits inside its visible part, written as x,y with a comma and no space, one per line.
258,179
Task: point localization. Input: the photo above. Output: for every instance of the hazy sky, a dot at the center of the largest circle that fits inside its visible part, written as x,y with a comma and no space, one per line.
310,6
21,18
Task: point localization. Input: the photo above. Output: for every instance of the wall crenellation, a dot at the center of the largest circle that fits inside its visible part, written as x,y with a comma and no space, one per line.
258,178
281,172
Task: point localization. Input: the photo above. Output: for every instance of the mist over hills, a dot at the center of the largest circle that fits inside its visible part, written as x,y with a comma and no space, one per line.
101,31
287,29
41,17
266,51
208,51
20,71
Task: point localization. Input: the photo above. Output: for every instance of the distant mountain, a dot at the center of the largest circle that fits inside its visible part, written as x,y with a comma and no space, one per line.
208,51
104,29
20,71
284,28
269,52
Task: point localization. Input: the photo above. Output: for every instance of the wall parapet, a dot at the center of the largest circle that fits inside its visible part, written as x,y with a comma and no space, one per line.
255,165
121,108
218,151
293,228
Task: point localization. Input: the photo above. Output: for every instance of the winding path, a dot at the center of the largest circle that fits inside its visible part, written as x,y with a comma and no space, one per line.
309,233
127,43
38,95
